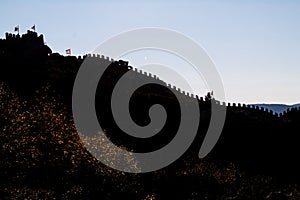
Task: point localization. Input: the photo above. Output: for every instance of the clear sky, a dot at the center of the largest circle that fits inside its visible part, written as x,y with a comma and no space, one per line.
254,44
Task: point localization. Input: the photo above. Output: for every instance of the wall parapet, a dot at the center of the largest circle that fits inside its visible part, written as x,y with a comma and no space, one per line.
191,95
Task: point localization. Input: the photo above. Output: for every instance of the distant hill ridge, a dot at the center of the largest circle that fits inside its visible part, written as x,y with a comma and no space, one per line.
277,108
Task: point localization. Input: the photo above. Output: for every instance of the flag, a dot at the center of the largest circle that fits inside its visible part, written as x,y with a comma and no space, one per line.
33,27
17,28
68,51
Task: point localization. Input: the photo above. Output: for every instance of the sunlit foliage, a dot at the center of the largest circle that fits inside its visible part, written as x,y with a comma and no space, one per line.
43,157
40,145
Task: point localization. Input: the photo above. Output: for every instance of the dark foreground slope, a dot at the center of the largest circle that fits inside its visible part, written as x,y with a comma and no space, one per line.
42,155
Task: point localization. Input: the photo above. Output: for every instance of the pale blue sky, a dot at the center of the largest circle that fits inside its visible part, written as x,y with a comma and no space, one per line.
254,44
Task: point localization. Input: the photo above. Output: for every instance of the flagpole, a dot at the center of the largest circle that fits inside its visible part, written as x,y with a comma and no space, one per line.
33,27
17,28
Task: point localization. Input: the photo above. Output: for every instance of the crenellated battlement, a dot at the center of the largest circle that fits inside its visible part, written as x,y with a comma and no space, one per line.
124,64
101,58
30,36
20,46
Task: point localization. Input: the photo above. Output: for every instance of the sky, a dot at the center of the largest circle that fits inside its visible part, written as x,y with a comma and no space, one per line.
255,45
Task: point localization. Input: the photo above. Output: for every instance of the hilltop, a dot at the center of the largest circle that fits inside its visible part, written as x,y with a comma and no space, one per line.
42,155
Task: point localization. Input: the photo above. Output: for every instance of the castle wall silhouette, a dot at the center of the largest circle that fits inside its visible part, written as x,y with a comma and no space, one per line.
174,88
30,48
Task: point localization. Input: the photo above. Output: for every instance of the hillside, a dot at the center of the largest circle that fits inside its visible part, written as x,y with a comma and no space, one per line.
42,155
